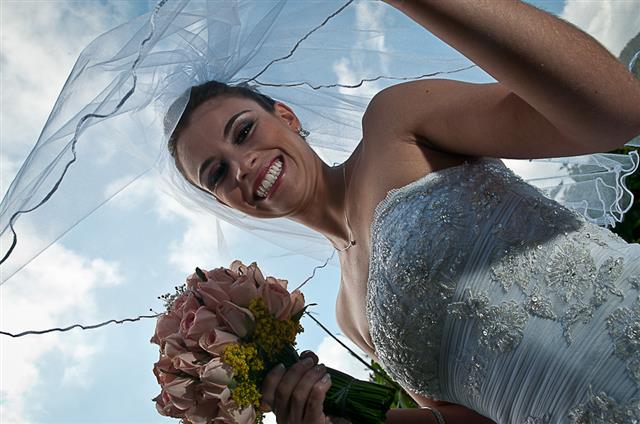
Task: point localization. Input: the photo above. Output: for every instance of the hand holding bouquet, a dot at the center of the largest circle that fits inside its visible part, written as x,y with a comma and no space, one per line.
222,332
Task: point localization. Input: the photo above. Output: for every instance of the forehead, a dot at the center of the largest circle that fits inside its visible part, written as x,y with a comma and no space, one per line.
208,119
204,131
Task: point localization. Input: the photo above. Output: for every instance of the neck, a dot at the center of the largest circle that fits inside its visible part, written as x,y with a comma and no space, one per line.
325,212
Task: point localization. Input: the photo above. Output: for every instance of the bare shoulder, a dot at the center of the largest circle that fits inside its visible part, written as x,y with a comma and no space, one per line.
392,109
466,119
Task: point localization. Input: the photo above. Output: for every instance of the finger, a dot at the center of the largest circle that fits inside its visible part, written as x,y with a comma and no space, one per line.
315,402
287,385
270,384
301,393
309,354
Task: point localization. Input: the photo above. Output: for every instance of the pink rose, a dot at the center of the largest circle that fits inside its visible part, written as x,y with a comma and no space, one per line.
189,362
165,407
238,320
214,391
166,325
252,271
195,323
221,277
164,370
203,411
281,283
243,291
215,341
173,345
230,413
213,293
216,372
181,393
297,303
276,298
192,281
186,302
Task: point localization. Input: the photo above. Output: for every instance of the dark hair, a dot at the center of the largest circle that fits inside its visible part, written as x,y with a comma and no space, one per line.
198,94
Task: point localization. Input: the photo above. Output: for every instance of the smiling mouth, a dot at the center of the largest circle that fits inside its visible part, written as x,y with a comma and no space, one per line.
269,179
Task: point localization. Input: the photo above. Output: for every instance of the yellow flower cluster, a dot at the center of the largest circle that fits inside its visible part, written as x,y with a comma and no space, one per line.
245,361
246,393
243,358
270,333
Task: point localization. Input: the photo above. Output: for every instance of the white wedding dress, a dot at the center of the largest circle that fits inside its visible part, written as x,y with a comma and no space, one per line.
485,293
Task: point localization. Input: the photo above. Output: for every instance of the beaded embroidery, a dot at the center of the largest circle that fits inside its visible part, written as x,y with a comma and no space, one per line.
624,328
423,239
599,408
500,327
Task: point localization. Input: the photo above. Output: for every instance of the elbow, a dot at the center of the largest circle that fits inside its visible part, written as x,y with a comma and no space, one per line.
632,135
621,135
611,137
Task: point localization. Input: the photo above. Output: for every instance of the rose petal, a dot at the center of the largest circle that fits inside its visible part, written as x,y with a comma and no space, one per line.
215,341
181,393
276,298
243,291
166,325
213,294
216,372
238,320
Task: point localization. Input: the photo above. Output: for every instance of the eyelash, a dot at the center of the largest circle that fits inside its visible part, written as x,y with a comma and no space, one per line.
243,133
221,170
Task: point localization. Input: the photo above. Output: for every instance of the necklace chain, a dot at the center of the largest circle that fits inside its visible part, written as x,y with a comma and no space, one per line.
352,242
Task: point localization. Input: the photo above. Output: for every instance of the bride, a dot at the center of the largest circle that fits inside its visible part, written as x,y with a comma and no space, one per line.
484,299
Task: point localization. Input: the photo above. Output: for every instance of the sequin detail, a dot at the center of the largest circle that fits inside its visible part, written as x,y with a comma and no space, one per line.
599,408
624,328
406,286
500,326
545,419
634,282
474,281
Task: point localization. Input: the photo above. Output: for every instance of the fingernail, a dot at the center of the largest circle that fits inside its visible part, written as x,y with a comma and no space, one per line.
280,367
326,379
319,368
307,361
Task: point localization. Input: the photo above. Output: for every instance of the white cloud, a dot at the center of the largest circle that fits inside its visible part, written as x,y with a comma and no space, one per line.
368,15
203,241
60,285
51,291
612,22
333,355
36,58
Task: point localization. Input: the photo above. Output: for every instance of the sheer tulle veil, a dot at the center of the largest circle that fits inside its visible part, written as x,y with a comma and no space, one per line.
323,58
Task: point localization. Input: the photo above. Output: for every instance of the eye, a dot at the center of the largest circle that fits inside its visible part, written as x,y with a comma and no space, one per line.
243,133
217,175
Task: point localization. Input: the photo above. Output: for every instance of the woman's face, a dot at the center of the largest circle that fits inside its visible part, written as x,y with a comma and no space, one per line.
248,158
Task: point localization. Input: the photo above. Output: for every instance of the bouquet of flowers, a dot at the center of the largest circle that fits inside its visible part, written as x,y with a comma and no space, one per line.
222,332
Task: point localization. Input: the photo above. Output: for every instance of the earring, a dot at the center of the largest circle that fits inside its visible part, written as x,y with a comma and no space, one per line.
303,133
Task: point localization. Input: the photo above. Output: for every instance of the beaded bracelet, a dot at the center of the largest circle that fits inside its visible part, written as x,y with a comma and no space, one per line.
438,416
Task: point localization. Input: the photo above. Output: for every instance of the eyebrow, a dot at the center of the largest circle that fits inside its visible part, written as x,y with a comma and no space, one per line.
227,128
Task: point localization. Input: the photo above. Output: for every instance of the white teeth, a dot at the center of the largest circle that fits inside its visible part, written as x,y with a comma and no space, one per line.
270,177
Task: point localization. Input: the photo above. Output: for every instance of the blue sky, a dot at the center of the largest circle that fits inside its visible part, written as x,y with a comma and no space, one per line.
96,272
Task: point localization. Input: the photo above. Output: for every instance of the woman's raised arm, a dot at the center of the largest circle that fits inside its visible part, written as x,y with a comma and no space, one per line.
563,73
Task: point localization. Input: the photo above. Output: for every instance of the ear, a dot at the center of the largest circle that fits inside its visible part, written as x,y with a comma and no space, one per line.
287,116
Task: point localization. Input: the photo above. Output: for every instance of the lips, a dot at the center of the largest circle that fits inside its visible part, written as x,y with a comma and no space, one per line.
268,178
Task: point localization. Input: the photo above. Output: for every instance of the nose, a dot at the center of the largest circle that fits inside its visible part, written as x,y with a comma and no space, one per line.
246,165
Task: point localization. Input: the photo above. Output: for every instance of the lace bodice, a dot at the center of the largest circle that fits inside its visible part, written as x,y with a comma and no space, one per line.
485,293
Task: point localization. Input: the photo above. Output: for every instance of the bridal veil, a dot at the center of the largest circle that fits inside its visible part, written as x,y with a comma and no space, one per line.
325,59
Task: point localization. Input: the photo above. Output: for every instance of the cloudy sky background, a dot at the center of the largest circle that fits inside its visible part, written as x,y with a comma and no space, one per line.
105,375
